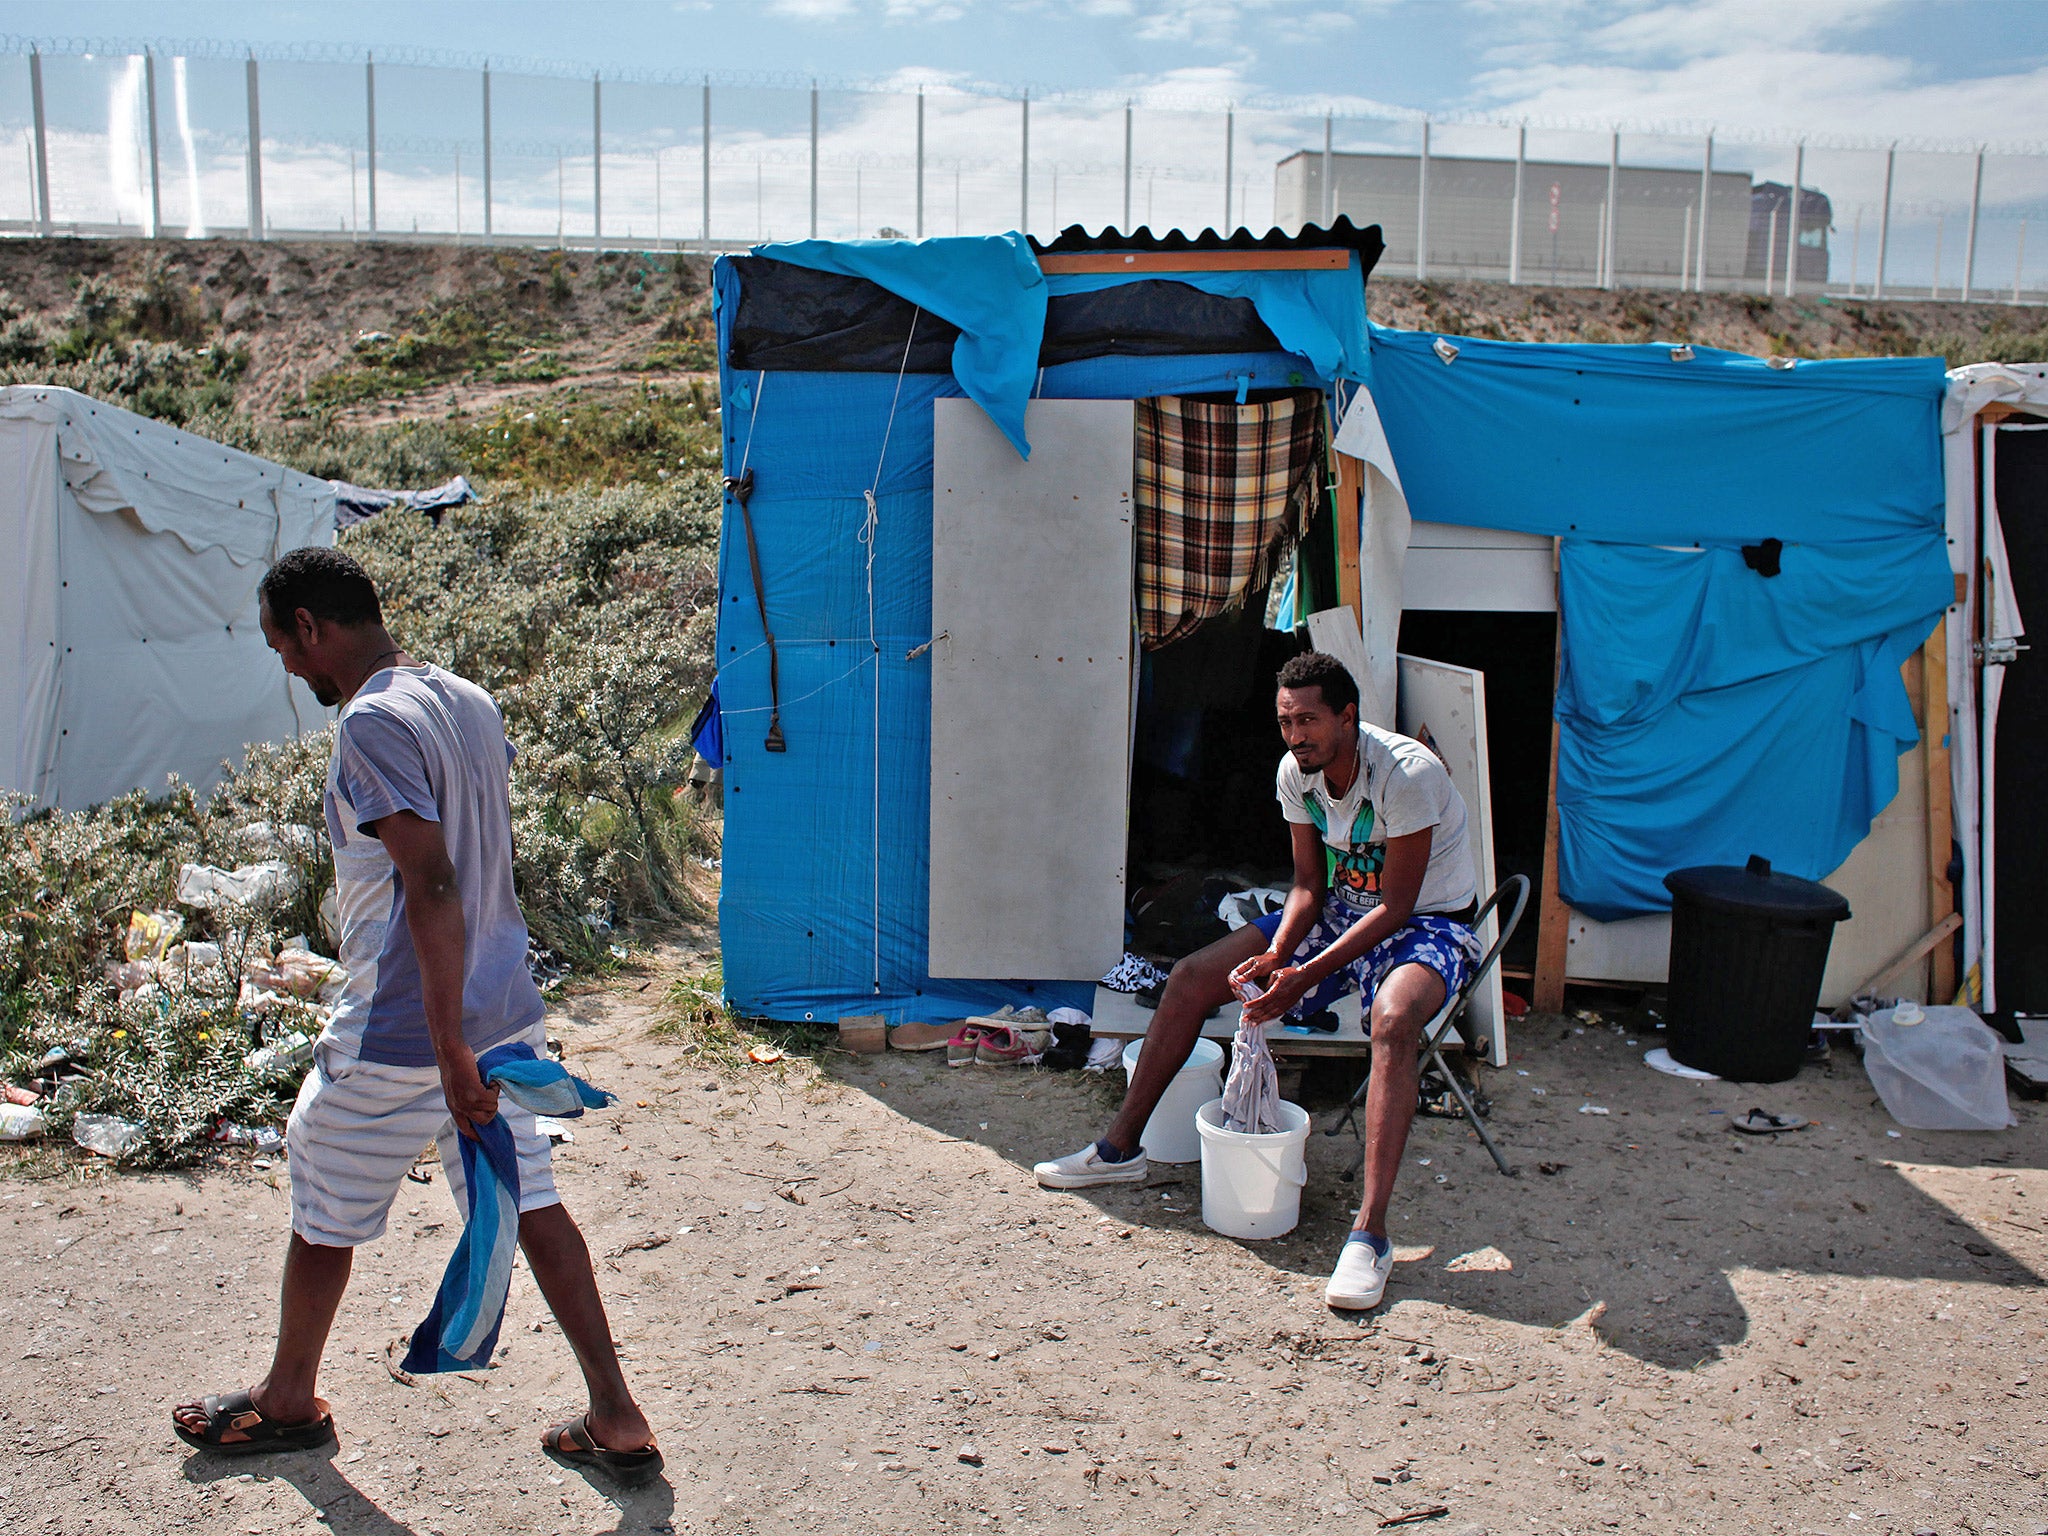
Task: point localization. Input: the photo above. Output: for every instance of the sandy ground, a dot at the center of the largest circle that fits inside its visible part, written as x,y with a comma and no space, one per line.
829,1286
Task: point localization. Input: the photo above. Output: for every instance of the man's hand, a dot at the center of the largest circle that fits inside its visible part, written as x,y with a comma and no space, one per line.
471,1102
1290,984
1255,969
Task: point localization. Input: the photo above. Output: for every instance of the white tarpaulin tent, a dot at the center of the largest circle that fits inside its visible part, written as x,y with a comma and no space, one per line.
129,643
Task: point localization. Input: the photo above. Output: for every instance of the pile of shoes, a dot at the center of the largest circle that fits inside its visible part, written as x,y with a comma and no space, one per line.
1009,1037
1021,1037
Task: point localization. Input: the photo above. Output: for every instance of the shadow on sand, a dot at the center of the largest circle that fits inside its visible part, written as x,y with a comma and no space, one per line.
1636,1221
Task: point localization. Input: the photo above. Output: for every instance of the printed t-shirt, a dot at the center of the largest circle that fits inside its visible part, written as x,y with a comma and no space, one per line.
423,740
1401,787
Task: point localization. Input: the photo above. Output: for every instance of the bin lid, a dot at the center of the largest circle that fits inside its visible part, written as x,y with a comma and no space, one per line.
1756,888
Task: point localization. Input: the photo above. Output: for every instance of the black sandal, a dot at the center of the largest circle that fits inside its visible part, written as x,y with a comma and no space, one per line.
236,1413
573,1445
1757,1123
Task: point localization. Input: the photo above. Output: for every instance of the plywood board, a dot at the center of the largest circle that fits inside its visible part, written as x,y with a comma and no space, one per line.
1445,706
1031,689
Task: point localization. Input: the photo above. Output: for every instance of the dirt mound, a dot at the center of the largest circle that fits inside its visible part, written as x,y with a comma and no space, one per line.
373,329
390,328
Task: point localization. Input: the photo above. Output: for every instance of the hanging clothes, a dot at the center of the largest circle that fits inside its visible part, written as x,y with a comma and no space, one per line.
1223,492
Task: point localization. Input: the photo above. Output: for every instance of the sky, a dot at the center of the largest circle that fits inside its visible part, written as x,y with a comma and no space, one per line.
1946,69
1846,76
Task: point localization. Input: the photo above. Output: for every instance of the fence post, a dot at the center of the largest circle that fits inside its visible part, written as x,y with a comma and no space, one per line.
1229,164
596,164
458,194
35,96
920,163
1329,173
1884,220
370,120
1422,208
1792,218
156,198
1699,266
814,159
1127,167
1024,171
1515,229
1970,244
705,189
255,154
2019,261
1609,245
487,155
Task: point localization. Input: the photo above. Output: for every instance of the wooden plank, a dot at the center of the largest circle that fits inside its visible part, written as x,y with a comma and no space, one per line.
1941,896
1077,262
1350,506
1930,941
1553,917
1031,583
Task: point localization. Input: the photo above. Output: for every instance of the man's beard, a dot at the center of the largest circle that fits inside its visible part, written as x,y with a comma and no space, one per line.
326,693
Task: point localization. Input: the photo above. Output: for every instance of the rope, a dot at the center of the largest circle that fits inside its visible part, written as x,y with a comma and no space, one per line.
868,534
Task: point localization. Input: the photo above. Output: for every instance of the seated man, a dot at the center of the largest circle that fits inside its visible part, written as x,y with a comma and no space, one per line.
1384,892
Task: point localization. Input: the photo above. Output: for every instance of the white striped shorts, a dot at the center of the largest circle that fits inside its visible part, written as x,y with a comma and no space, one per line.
360,1125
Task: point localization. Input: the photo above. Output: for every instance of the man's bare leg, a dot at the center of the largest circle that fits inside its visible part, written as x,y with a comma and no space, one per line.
314,1278
1407,1000
561,1266
1198,983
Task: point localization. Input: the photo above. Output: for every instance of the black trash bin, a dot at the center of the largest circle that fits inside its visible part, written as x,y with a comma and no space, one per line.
1747,951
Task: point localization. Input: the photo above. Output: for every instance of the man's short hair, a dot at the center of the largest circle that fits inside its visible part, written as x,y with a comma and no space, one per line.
1318,669
325,582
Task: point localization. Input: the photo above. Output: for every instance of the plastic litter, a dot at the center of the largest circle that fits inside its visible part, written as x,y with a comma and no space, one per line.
21,1122
287,1053
1661,1060
108,1135
1945,1072
250,885
150,933
1595,1109
264,1138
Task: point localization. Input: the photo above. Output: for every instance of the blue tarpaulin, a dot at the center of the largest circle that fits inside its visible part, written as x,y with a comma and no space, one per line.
988,285
808,830
1707,711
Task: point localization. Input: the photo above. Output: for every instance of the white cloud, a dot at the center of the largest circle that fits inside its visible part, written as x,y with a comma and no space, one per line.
814,10
1706,28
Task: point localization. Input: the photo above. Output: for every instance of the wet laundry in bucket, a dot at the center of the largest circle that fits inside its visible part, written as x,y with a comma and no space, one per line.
1251,1094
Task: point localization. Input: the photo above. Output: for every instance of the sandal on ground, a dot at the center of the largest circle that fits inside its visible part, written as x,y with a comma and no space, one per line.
572,1445
1757,1123
236,1414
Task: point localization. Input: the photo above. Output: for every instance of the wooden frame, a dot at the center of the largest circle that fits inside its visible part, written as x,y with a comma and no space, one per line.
1553,917
1079,262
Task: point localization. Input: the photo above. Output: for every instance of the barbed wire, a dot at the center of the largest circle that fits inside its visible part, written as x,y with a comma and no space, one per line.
1344,109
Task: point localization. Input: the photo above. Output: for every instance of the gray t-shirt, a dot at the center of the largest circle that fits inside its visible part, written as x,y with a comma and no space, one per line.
423,740
1401,787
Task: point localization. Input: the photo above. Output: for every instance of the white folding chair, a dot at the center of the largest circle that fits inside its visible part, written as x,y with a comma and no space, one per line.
1447,1018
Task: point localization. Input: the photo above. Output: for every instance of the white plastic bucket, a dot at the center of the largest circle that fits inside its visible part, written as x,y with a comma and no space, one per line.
1170,1133
1251,1185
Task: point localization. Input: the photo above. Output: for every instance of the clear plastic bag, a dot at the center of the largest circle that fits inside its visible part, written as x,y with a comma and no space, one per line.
1945,1073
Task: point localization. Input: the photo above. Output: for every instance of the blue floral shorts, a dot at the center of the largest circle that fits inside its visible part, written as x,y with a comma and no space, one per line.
1448,948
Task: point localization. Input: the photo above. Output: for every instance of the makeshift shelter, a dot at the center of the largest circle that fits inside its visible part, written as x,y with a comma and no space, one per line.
933,718
128,599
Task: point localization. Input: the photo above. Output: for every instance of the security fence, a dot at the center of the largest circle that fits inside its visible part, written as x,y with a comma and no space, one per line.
186,140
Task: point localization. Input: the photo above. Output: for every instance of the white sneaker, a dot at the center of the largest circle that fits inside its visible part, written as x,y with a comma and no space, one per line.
1360,1278
1087,1167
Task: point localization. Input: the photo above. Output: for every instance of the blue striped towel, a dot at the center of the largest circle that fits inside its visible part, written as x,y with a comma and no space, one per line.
462,1329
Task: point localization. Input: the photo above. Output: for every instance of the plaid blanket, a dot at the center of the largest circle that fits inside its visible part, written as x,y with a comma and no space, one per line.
1224,491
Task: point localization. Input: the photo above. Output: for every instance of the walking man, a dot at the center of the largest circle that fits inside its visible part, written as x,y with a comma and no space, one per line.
434,944
1384,895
